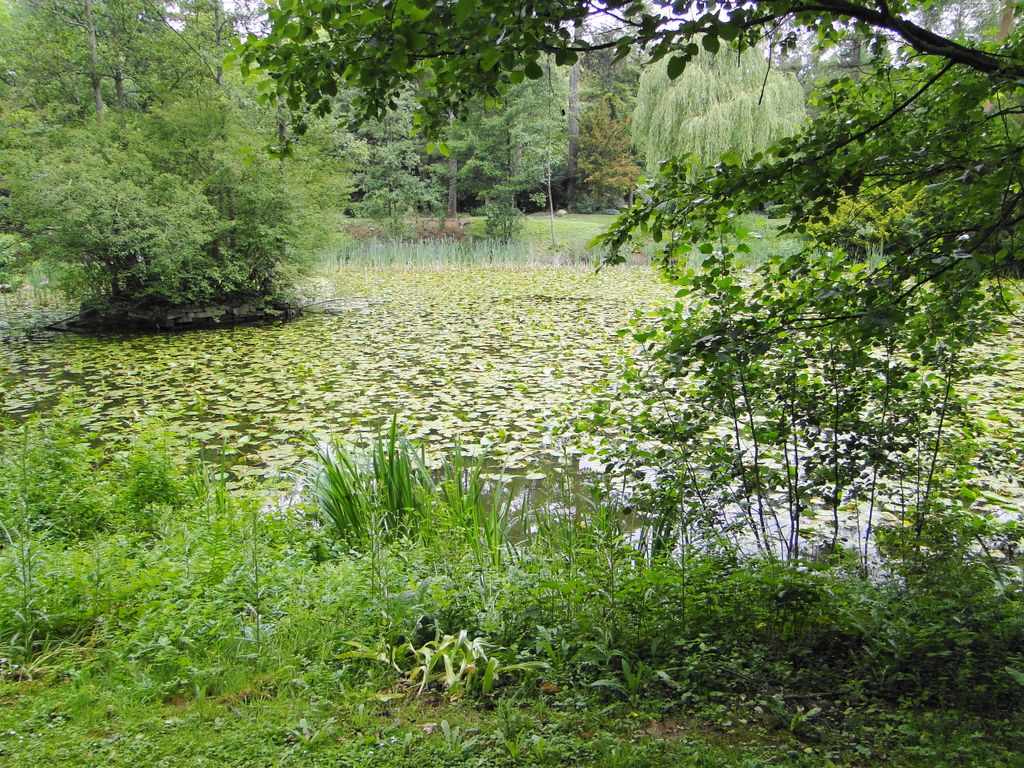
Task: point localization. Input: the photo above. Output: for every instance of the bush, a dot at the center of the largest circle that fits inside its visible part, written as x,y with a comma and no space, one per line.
48,482
151,477
504,221
865,227
164,210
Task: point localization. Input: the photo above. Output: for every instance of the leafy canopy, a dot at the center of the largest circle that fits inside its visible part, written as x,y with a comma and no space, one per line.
459,50
718,104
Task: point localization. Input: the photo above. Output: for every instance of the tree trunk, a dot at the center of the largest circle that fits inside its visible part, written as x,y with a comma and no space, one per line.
453,187
282,126
551,209
574,134
218,26
1005,25
94,63
1006,22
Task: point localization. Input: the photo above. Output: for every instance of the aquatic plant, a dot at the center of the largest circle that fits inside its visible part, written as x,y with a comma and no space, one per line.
384,491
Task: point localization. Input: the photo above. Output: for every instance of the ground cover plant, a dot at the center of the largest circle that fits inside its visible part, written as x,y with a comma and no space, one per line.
187,621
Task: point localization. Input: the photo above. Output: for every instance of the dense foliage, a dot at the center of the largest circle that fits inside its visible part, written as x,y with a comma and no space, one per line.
138,219
811,437
513,150
606,164
179,588
148,195
390,173
718,104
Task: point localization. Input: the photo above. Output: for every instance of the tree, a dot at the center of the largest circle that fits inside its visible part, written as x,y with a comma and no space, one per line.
513,149
127,160
606,158
157,213
390,174
487,144
610,77
720,103
491,44
102,54
495,45
573,126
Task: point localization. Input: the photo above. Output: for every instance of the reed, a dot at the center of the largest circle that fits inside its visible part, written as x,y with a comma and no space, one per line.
481,510
384,491
448,252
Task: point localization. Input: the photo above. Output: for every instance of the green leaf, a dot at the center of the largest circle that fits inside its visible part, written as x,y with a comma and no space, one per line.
732,158
1015,674
533,70
489,58
463,10
565,58
675,67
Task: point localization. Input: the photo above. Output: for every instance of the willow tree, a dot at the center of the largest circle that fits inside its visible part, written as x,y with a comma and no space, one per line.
720,103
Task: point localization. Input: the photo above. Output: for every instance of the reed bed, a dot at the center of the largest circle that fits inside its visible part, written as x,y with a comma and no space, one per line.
449,252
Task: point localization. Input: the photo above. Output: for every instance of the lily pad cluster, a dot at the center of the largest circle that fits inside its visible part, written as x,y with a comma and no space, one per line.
492,356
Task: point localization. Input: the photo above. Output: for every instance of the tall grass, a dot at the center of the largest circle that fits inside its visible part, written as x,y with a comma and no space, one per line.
450,253
384,492
482,511
404,486
34,284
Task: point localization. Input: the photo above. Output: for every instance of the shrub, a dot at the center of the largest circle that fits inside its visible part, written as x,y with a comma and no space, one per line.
48,481
161,211
504,220
864,227
151,475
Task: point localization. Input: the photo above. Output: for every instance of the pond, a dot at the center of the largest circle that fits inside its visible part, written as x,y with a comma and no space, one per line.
492,355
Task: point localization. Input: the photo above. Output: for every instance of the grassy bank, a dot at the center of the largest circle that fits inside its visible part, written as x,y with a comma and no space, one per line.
388,616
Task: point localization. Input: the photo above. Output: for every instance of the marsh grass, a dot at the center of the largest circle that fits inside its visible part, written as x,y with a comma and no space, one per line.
480,509
376,254
361,244
383,491
34,285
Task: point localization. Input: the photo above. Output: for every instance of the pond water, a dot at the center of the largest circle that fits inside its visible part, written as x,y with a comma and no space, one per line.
491,355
